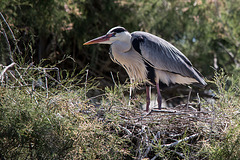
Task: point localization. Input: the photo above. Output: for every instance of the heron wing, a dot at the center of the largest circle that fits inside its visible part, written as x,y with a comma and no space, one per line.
164,56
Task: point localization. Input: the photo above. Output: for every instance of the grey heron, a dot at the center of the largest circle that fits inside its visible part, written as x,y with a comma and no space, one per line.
149,59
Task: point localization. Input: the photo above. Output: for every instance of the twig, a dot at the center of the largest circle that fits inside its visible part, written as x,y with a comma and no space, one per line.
141,133
85,85
12,87
182,105
130,91
17,80
164,111
212,121
126,130
189,95
46,81
58,74
49,76
30,65
5,69
215,64
11,32
136,118
117,87
113,79
8,44
175,97
176,135
39,69
182,140
100,95
147,151
199,102
178,153
28,90
157,155
20,76
13,99
231,55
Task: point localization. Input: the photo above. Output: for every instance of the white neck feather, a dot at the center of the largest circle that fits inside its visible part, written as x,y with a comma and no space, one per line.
123,44
129,59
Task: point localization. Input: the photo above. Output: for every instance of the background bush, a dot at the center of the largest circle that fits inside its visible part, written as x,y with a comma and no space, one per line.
206,31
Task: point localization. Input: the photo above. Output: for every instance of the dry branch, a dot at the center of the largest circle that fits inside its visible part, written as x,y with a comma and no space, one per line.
231,55
126,130
15,41
5,69
8,44
179,141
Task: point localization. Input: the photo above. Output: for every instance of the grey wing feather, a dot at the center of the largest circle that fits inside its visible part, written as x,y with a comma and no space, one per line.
164,56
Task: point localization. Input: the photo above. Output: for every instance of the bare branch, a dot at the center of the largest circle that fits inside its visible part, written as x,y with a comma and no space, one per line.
113,80
189,95
8,44
182,140
126,130
15,41
46,80
30,65
4,70
215,61
85,85
231,55
147,151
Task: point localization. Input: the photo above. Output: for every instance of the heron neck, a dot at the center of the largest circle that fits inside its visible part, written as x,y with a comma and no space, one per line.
122,45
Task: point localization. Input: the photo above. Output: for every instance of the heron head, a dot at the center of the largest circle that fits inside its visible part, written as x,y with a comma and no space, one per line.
114,34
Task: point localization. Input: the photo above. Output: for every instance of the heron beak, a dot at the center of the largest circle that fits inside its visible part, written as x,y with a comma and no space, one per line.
99,39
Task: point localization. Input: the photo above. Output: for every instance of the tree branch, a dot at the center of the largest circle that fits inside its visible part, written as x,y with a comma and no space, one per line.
182,140
231,55
4,70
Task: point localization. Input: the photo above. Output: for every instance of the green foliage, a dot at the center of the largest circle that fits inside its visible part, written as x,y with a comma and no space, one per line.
30,130
228,146
201,29
54,123
61,27
52,129
206,31
224,131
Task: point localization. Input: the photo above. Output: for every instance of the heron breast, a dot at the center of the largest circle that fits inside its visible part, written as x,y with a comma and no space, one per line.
132,62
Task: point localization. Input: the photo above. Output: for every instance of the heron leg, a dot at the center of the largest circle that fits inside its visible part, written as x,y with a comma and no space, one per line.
147,98
159,98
